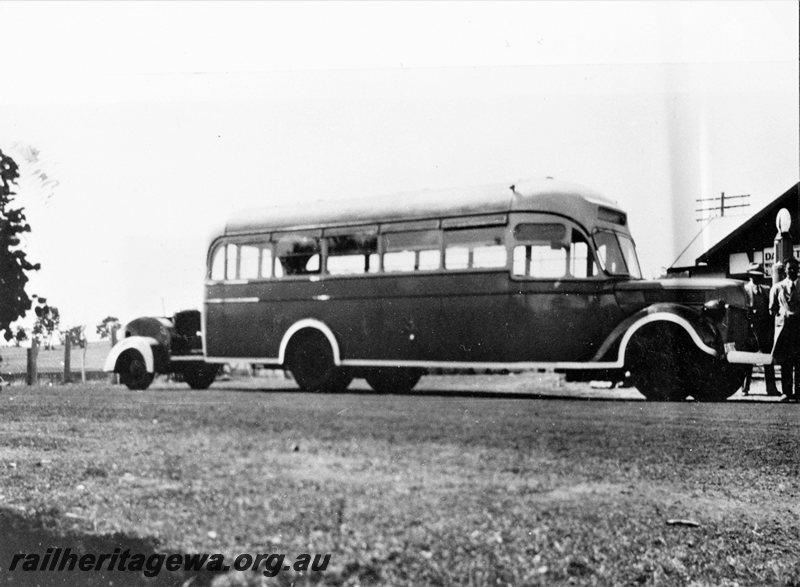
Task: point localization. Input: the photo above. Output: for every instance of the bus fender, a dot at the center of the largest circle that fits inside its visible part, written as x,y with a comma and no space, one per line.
143,344
309,323
701,333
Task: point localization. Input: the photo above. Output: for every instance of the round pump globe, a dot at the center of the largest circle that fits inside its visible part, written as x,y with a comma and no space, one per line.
783,220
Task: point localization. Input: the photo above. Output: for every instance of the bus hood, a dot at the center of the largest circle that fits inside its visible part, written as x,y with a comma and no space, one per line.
687,291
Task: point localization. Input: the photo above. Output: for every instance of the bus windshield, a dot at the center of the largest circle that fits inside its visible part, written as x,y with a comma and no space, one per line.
617,254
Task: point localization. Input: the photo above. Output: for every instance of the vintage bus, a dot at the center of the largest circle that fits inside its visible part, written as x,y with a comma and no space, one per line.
537,275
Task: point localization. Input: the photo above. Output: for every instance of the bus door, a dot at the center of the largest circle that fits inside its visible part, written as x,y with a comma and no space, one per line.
473,319
241,314
408,291
560,302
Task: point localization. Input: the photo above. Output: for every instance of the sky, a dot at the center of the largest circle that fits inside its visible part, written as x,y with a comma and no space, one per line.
140,127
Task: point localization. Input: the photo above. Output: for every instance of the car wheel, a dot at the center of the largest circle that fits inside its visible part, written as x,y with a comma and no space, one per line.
133,371
200,376
392,379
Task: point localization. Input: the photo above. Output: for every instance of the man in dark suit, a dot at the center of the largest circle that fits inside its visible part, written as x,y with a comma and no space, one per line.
758,302
786,348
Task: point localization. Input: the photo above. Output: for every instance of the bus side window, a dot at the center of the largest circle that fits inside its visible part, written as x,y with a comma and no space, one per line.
266,262
218,264
374,263
313,264
352,254
298,254
475,248
230,265
416,250
278,268
540,261
581,260
544,252
248,262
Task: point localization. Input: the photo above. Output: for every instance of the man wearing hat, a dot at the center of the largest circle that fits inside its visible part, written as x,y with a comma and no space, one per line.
758,302
785,306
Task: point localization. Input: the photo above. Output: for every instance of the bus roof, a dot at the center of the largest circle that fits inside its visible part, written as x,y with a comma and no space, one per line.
544,195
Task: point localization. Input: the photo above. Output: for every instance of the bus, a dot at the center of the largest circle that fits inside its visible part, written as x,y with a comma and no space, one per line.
538,275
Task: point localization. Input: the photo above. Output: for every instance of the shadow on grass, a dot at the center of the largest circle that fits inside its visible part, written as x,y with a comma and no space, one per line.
762,399
462,393
50,531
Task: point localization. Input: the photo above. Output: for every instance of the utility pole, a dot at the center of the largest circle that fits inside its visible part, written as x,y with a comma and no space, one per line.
724,204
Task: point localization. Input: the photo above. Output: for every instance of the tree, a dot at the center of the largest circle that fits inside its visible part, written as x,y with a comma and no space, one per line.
76,336
48,319
109,325
20,335
14,301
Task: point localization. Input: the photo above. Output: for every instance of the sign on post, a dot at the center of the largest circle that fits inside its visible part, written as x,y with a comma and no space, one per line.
769,258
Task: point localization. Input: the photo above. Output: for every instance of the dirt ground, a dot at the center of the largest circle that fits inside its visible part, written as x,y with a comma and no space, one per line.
506,480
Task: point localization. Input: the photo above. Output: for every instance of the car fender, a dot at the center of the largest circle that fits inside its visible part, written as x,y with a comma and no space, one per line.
143,344
699,331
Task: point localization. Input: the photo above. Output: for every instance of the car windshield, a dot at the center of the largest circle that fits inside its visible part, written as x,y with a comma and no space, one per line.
617,254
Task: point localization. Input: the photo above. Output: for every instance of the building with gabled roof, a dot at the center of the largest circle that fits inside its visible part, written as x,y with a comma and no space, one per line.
725,246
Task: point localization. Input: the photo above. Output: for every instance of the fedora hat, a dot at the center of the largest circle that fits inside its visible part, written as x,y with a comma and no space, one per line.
755,269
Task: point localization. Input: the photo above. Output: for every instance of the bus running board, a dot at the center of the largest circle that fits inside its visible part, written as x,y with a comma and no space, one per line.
747,358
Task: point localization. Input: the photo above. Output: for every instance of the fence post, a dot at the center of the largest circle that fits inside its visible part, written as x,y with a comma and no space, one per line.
83,361
32,377
113,379
67,366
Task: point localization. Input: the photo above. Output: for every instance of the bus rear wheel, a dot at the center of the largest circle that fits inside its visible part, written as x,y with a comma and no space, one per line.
133,371
310,359
392,379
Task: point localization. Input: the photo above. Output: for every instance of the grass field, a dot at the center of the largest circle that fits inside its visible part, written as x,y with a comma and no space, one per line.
437,488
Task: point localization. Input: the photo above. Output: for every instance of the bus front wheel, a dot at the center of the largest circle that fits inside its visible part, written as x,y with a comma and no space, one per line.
392,380
133,372
666,365
310,359
657,359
